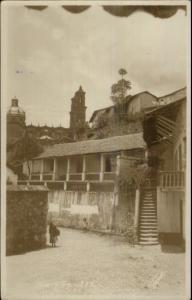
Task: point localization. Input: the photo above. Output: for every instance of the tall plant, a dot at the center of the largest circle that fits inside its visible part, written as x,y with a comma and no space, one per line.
119,90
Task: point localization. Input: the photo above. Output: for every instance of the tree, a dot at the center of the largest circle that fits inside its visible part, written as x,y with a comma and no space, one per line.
120,89
23,151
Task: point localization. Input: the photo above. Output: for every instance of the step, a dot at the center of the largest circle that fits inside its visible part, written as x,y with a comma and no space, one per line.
148,201
147,204
150,218
148,231
148,222
148,228
148,239
148,225
148,215
148,235
148,209
148,212
148,243
145,223
141,232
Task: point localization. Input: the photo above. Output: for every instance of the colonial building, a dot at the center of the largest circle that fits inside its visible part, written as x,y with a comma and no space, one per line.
44,134
15,122
78,114
131,183
165,135
124,118
89,179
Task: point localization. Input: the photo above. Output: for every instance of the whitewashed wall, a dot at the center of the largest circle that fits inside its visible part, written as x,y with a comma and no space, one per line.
70,207
169,211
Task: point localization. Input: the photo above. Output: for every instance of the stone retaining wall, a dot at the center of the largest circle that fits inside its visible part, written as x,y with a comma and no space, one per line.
26,219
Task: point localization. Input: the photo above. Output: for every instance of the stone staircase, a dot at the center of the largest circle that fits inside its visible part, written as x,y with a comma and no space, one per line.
148,227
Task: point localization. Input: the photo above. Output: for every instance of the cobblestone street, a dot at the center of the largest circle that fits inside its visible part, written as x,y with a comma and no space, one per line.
85,263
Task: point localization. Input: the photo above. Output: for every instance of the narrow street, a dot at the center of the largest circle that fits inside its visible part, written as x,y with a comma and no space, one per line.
85,263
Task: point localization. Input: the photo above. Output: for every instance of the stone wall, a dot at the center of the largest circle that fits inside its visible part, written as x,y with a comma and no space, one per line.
125,214
101,210
69,208
26,226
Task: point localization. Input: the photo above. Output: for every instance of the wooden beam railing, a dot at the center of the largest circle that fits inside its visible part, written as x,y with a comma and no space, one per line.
171,179
109,176
92,176
75,176
106,176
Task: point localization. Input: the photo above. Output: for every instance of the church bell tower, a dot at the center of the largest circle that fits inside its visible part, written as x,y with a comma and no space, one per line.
78,111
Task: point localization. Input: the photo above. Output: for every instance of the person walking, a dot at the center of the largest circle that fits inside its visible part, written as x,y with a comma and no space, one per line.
85,224
54,233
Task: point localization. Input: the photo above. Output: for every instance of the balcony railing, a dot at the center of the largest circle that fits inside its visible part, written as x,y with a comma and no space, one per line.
75,176
168,179
35,177
47,176
92,176
109,176
106,176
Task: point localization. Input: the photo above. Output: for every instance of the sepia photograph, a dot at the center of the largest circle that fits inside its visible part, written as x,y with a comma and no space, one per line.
95,150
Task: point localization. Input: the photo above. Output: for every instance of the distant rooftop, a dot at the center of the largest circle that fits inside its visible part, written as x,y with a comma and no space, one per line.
128,99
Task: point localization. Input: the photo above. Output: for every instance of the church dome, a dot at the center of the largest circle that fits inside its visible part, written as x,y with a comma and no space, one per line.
15,110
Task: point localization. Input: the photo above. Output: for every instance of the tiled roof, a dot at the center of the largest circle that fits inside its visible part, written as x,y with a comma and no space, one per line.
26,188
165,107
175,96
112,144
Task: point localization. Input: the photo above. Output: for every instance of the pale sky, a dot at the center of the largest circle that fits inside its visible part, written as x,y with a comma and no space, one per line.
56,51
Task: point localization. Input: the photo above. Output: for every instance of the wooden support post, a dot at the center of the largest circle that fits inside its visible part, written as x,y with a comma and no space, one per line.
102,162
84,168
118,165
88,186
42,170
65,185
68,168
159,201
137,205
55,169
